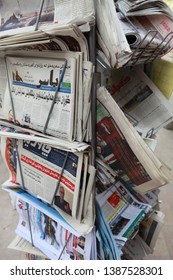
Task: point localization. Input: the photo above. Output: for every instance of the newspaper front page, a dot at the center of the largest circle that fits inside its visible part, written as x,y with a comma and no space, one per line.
33,85
42,167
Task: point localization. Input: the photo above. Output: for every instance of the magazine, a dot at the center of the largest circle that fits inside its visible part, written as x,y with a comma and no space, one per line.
122,148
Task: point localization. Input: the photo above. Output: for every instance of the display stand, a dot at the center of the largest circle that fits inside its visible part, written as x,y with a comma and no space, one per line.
137,54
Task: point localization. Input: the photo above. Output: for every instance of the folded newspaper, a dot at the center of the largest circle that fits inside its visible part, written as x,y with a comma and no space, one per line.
140,99
63,179
132,37
148,27
45,228
122,148
43,91
141,7
22,245
10,130
113,43
20,16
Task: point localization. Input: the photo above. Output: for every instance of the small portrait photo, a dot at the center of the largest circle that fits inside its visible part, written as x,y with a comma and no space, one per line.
62,200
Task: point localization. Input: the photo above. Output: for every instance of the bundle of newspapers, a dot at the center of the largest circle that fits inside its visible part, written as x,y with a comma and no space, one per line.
121,147
133,32
47,75
62,179
123,213
47,94
127,222
19,17
46,230
129,176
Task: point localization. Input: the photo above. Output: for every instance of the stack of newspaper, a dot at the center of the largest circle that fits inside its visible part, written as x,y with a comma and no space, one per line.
128,177
60,178
46,125
46,229
122,211
120,235
47,94
121,147
106,177
18,17
45,116
148,25
39,91
140,31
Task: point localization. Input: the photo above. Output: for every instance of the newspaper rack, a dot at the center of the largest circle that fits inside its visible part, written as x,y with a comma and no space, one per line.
144,52
91,40
138,51
158,52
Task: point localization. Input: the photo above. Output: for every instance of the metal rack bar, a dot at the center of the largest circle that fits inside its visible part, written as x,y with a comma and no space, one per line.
39,15
70,235
55,95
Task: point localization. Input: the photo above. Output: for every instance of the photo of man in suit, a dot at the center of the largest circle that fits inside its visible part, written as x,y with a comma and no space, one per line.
61,202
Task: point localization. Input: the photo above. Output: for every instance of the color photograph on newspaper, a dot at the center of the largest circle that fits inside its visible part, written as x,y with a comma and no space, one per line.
18,16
